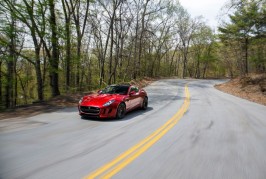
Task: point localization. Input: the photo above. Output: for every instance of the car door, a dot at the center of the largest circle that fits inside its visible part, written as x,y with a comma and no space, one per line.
134,97
138,97
128,101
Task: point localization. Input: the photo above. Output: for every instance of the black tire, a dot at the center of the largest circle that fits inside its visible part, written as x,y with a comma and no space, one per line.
144,103
121,111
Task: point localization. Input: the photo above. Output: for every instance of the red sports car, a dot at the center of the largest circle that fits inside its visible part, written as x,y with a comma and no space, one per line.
113,102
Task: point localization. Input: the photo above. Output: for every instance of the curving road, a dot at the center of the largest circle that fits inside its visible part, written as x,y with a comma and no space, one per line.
196,133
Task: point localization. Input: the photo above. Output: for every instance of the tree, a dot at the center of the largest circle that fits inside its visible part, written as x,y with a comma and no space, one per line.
54,60
9,41
86,44
245,24
67,36
203,41
185,29
80,21
24,12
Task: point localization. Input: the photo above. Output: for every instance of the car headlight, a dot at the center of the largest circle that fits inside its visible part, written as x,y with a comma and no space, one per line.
109,103
80,100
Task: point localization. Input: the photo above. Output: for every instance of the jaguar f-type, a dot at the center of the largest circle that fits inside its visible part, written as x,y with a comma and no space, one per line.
113,102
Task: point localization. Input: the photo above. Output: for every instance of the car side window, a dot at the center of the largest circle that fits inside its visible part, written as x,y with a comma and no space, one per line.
133,88
122,90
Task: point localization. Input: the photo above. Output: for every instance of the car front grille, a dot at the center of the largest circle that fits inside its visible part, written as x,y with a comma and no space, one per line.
90,109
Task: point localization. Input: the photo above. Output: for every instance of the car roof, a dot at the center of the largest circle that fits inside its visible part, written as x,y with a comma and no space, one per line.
126,84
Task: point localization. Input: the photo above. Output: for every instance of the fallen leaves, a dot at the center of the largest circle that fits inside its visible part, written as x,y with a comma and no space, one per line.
251,87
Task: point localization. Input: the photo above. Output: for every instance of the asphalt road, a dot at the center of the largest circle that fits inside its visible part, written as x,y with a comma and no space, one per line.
203,133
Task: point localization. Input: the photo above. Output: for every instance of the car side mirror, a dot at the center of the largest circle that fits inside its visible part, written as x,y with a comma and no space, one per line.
100,92
132,93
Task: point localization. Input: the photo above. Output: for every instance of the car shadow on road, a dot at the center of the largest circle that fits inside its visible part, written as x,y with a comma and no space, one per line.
129,116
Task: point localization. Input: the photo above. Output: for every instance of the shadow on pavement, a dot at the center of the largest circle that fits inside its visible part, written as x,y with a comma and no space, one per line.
130,115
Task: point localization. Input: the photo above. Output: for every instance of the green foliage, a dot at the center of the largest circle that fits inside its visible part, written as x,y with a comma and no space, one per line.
246,24
119,43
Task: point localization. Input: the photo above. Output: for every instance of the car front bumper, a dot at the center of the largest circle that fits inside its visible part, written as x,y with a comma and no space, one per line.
97,112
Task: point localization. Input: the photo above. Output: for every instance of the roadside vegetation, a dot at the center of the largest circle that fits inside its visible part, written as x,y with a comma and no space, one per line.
251,87
50,48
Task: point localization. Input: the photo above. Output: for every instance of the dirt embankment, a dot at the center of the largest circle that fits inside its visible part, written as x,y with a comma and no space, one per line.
251,87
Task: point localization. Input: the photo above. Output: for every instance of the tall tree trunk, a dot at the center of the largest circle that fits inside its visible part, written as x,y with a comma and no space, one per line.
135,49
39,75
121,41
172,60
141,37
78,62
54,60
246,55
22,84
184,65
67,14
111,47
44,69
10,76
101,71
80,29
68,55
9,87
205,70
15,84
197,74
1,84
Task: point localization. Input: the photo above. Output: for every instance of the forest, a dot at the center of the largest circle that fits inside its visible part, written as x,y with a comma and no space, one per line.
53,47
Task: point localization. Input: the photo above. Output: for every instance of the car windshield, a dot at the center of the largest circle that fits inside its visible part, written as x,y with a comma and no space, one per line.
115,90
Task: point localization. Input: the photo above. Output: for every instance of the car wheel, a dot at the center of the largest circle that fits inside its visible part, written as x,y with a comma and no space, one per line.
144,103
121,111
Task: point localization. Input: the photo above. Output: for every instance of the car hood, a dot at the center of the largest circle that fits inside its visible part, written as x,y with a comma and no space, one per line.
99,99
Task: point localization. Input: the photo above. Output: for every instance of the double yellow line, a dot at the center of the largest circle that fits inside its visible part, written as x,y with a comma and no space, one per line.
116,165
